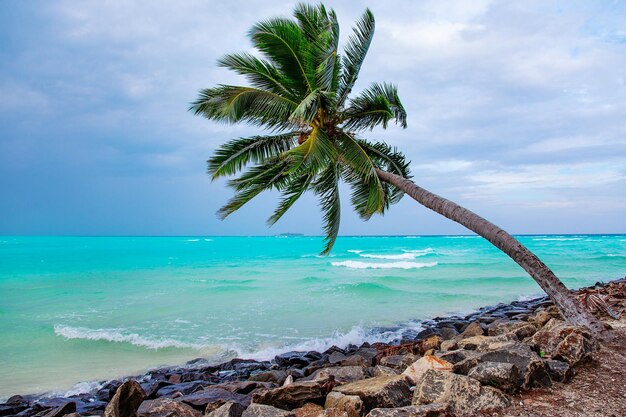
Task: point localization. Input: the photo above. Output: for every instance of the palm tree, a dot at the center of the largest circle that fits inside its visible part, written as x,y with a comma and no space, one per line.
299,93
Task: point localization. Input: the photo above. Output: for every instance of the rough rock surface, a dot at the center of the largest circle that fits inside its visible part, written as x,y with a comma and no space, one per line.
415,372
464,395
291,396
501,375
166,407
426,410
262,410
351,404
230,409
126,400
380,391
341,373
563,341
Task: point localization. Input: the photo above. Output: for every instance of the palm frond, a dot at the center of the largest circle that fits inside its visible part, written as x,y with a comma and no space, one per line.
260,73
298,184
377,105
355,52
283,43
232,156
232,104
389,159
316,152
327,188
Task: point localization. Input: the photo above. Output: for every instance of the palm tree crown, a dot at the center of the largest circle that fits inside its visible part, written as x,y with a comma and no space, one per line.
299,92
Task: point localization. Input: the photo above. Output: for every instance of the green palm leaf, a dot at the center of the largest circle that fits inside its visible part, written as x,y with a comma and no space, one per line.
327,188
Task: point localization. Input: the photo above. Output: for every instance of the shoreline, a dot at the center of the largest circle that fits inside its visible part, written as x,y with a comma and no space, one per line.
198,374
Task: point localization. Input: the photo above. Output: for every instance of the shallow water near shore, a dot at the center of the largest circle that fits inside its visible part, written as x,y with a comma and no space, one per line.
87,308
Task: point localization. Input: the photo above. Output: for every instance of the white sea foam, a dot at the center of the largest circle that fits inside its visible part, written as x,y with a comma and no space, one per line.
354,251
461,237
83,388
558,239
355,336
399,256
412,237
193,240
385,265
122,336
616,255
208,240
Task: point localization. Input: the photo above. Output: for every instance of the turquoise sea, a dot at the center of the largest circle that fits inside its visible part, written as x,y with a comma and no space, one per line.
75,309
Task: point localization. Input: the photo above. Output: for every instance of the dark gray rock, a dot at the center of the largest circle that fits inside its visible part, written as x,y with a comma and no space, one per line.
62,410
501,375
559,371
184,388
211,395
275,376
230,409
532,370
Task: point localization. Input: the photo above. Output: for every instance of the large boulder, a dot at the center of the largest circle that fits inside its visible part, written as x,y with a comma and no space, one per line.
277,376
426,410
532,370
521,329
297,359
126,400
464,395
341,373
166,407
473,329
66,408
380,391
291,396
564,341
262,410
351,404
501,375
398,361
419,367
309,410
213,396
182,388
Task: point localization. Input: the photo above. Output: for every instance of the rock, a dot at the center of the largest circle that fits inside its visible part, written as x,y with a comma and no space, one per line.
563,341
184,388
11,409
166,407
464,395
334,412
67,408
380,370
559,371
291,396
532,370
261,410
426,410
432,342
275,376
501,375
380,391
309,410
211,395
351,404
448,333
368,356
447,345
485,343
229,409
540,318
473,329
341,373
288,380
505,326
525,331
419,367
297,359
336,357
398,361
245,387
126,400
108,390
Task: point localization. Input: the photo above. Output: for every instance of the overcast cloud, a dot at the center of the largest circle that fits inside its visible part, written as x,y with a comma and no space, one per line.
516,110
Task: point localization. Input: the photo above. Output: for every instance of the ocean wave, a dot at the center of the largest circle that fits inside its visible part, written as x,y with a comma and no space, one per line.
412,237
398,256
355,336
357,251
616,255
386,265
557,239
122,336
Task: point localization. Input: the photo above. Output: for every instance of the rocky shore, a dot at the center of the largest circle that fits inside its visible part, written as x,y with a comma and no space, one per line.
479,364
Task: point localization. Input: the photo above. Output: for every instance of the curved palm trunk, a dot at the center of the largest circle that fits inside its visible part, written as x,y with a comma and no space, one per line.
573,312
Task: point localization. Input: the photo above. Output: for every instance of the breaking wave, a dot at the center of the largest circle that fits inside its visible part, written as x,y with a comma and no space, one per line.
384,265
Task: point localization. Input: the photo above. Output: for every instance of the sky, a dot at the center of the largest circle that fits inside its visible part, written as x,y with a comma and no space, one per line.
516,110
